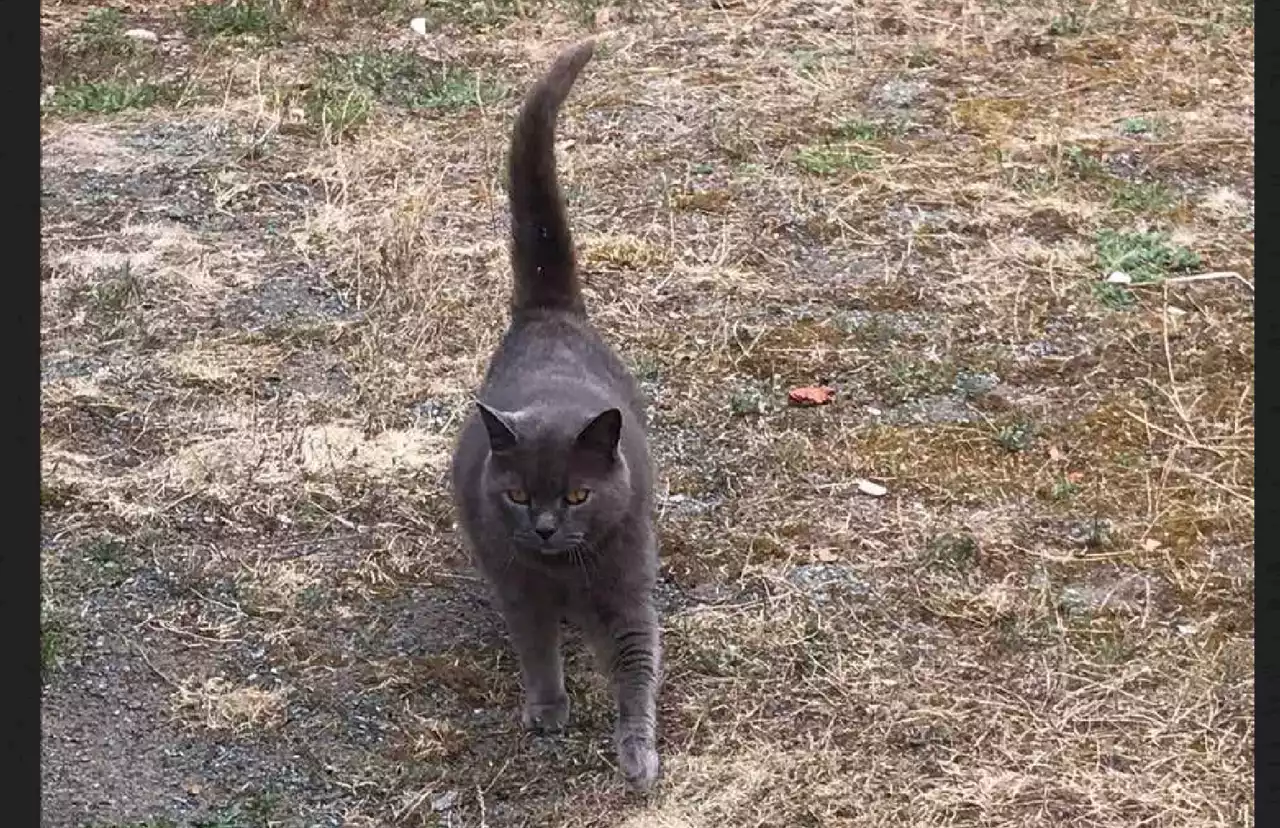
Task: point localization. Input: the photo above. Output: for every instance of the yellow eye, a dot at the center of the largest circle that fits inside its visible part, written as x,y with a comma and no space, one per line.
518,496
576,496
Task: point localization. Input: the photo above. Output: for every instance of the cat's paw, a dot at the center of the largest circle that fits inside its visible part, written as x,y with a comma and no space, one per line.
549,717
638,761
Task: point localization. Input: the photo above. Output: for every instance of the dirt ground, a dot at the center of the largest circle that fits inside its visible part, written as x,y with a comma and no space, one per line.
274,266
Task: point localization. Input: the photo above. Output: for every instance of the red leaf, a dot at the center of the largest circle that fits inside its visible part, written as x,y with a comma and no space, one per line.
811,395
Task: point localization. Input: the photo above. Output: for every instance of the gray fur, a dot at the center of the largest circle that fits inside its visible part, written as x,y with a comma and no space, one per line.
559,412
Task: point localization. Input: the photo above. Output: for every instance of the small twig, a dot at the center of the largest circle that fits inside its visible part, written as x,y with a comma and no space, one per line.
1189,442
1218,274
1216,484
1070,90
1191,141
59,240
1195,277
496,776
147,659
413,804
1168,361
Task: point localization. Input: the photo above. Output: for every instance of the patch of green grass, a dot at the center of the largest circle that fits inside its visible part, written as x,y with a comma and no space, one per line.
105,551
584,11
1023,177
1063,489
456,89
1225,20
55,495
922,57
748,400
337,109
350,85
1095,533
266,19
1082,164
256,810
486,14
225,818
96,67
808,61
975,384
1144,255
1138,125
1015,436
105,97
312,598
910,379
1015,633
392,76
831,159
1113,648
1114,297
117,289
952,551
871,330
115,293
857,129
103,33
52,640
1070,23
475,14
1143,197
646,368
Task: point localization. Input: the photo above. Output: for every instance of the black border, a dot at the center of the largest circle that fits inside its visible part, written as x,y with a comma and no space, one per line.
20,559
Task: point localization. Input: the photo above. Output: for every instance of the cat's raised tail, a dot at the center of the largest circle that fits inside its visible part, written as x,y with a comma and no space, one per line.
542,253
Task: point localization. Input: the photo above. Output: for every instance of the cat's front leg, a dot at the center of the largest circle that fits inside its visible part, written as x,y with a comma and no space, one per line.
628,645
535,636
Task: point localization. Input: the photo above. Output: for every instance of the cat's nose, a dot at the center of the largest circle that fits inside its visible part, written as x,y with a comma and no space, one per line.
545,532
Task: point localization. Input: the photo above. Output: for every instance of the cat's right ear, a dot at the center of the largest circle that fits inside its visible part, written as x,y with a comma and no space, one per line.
501,437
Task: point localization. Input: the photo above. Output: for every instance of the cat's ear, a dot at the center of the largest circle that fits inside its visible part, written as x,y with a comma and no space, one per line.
601,435
501,437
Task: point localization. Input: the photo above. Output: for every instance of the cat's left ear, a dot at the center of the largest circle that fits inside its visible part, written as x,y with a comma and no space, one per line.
501,437
601,435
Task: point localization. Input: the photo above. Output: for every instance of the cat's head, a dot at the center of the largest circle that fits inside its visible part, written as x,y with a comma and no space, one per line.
558,481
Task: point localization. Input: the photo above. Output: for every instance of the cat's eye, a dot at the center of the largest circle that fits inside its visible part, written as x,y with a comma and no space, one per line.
518,496
577,496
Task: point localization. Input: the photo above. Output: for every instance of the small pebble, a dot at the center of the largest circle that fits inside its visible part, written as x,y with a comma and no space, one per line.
873,489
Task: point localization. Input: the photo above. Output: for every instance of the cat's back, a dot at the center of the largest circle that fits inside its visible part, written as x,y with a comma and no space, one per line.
553,353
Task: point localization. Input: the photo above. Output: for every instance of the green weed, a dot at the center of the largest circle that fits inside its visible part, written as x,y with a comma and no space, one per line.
105,97
1138,125
102,34
1143,197
1015,436
957,552
1114,297
266,19
1145,256
1082,164
828,160
1069,24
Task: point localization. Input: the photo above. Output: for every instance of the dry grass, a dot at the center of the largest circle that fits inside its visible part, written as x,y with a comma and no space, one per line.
218,705
258,344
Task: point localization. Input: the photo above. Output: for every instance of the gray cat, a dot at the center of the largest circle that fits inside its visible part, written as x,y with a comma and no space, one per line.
551,473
